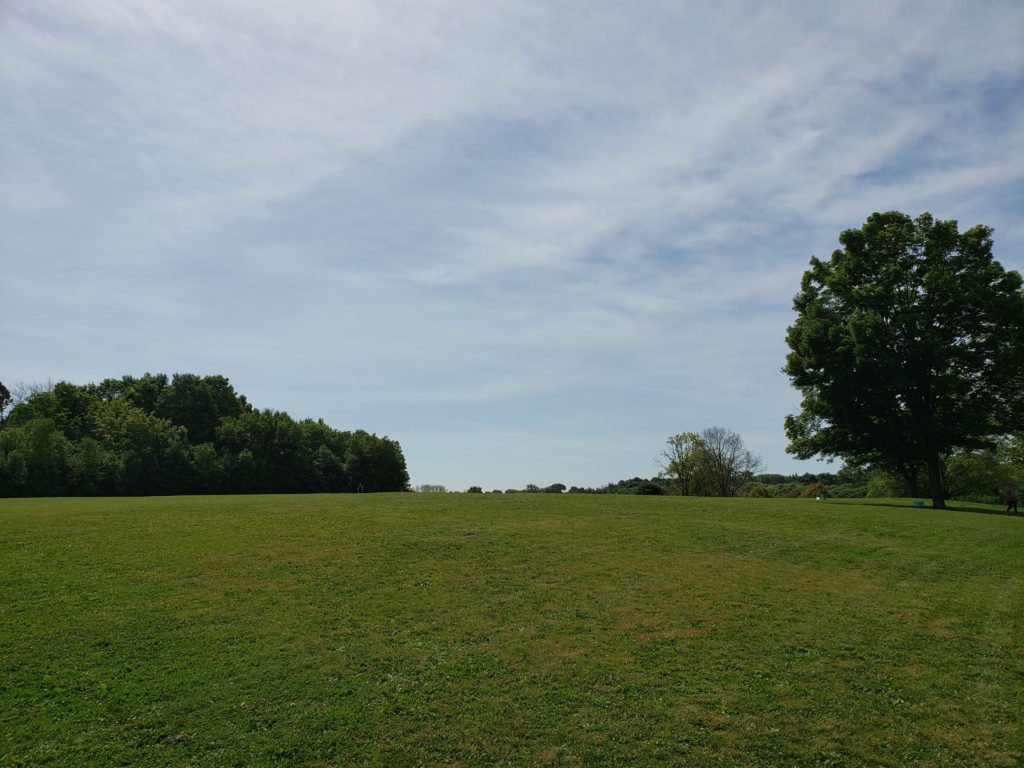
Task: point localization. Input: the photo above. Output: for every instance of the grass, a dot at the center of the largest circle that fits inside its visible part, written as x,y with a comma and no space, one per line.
461,630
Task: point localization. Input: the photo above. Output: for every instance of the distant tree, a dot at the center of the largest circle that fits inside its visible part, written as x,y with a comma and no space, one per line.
145,391
852,474
715,462
34,405
153,453
6,401
757,490
94,469
209,469
907,347
884,483
554,488
727,463
978,475
71,409
330,469
428,488
648,488
814,490
475,489
281,459
682,460
636,486
33,459
188,402
23,390
375,464
1011,449
242,472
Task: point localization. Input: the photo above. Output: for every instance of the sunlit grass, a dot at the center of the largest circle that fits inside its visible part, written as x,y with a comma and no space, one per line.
516,630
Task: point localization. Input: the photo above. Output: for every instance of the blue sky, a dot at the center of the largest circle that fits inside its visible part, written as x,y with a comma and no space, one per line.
527,240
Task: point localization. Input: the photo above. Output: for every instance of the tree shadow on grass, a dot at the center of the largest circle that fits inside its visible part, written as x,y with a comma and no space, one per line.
951,506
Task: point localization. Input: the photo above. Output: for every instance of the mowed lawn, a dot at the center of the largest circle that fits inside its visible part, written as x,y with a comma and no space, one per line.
402,630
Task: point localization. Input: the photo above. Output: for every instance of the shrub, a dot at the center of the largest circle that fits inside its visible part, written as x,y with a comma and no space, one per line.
757,491
813,491
649,489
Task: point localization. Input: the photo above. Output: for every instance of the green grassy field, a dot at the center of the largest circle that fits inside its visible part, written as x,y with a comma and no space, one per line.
408,629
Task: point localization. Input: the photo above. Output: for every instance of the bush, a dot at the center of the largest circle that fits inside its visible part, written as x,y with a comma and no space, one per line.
885,484
649,489
757,491
849,491
813,491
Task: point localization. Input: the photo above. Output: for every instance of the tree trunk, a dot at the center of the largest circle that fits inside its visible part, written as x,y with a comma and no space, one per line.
909,474
912,480
935,483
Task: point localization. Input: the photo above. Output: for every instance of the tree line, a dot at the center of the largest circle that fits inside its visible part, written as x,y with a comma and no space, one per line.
716,462
186,434
976,476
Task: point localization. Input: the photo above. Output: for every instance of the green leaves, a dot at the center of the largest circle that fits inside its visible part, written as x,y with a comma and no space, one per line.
715,462
905,344
187,434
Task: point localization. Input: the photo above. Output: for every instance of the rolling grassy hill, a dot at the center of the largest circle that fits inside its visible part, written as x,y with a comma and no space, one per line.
409,629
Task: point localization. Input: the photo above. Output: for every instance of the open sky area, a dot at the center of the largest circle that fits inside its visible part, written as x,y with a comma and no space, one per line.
527,240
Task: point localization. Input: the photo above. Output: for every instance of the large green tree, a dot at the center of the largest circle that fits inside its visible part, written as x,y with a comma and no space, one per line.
908,345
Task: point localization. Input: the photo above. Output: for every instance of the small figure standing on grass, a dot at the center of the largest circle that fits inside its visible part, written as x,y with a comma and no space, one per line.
1011,500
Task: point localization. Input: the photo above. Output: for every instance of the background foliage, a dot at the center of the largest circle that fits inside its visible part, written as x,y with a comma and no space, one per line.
182,435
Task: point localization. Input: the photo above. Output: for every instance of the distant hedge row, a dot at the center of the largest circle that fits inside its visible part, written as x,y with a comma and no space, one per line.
187,434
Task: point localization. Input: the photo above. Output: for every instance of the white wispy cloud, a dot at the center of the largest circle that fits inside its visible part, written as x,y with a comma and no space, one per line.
433,204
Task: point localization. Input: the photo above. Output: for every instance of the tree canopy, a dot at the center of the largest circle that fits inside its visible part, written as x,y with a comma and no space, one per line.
185,434
715,462
5,400
907,346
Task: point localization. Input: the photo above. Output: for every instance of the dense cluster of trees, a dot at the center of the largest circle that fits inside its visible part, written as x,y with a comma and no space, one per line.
637,486
530,488
187,434
767,485
907,349
634,486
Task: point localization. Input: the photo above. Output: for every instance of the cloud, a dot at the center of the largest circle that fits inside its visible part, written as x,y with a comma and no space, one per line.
504,204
